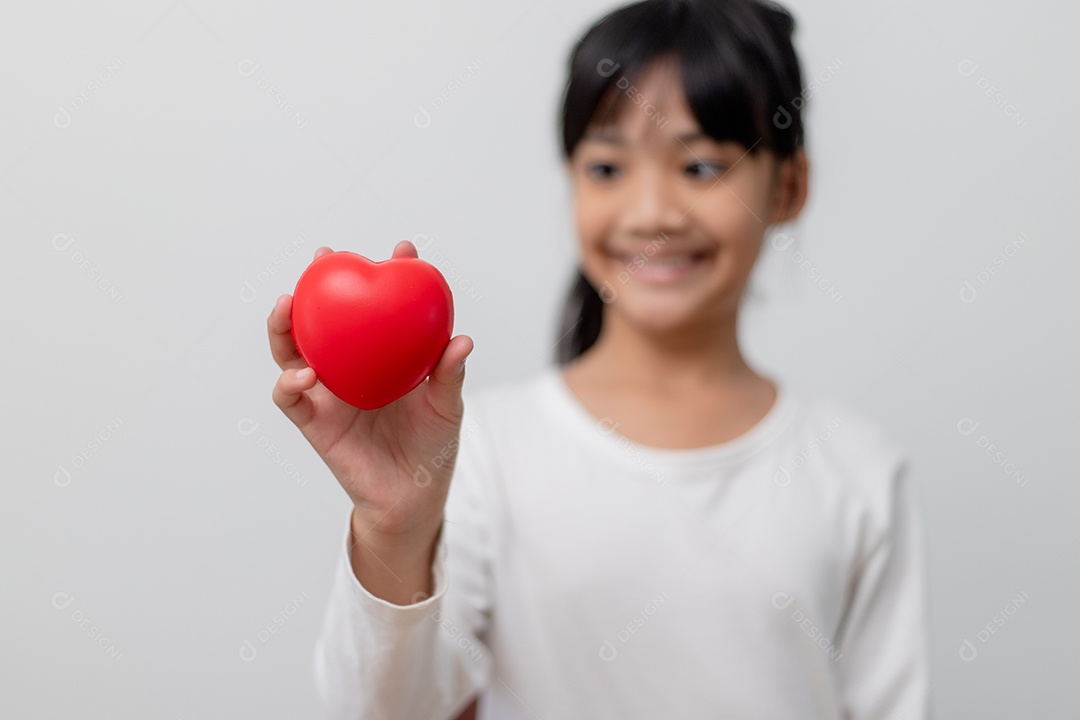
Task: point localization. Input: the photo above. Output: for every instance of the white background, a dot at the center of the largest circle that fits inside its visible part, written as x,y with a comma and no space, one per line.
149,185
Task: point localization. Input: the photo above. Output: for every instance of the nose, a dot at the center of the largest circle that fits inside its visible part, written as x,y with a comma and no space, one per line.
652,203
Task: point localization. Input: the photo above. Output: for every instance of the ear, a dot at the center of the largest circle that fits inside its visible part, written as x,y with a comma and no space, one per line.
792,187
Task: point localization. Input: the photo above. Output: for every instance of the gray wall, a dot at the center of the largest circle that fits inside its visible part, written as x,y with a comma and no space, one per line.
166,170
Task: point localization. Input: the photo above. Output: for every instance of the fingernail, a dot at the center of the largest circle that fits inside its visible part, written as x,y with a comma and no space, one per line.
302,375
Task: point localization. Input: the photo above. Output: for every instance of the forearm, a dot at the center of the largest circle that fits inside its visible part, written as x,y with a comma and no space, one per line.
394,569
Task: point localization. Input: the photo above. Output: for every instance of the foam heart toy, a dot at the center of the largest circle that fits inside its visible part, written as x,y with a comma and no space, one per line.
371,331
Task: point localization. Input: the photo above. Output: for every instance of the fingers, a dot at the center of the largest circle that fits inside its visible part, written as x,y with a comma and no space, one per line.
289,395
405,248
279,328
448,377
289,391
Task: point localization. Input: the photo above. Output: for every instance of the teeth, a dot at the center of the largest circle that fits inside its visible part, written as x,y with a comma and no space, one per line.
674,261
668,262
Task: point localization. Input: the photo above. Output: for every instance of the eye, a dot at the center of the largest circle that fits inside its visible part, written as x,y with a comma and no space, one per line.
704,169
601,170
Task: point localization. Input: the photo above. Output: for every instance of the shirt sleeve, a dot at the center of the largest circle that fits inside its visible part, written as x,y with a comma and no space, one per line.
375,660
884,665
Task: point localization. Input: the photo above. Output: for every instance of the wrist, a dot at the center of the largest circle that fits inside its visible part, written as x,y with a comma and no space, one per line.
408,543
396,568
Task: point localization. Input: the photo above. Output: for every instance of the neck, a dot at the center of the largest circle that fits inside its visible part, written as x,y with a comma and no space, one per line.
687,358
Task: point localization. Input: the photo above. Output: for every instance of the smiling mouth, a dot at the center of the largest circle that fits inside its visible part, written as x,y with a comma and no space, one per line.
665,269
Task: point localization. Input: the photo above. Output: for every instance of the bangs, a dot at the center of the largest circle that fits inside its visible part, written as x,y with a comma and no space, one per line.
733,71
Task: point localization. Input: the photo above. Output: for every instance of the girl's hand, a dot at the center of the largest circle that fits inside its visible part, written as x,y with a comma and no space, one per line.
394,462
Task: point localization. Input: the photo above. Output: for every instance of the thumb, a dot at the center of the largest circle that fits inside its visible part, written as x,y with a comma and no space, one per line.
447,379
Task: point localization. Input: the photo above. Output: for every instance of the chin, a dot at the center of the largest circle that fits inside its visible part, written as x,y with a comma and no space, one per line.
662,317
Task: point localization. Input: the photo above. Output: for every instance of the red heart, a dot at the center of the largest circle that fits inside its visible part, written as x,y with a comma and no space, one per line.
371,331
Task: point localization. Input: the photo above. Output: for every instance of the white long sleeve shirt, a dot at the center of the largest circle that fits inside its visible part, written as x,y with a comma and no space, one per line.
578,575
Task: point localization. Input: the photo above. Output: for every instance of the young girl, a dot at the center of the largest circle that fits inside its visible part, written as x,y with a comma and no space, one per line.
650,527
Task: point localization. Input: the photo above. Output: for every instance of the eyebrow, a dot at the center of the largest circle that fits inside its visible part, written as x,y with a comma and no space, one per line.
606,136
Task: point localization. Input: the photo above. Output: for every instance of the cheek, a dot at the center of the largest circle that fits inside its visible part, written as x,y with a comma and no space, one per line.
594,224
593,218
728,215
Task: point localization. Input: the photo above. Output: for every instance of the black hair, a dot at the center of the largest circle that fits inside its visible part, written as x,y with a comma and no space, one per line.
740,74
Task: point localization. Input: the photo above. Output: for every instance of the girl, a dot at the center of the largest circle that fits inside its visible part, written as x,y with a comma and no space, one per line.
649,527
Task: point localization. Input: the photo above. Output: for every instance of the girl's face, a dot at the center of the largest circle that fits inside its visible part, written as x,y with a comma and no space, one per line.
669,221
